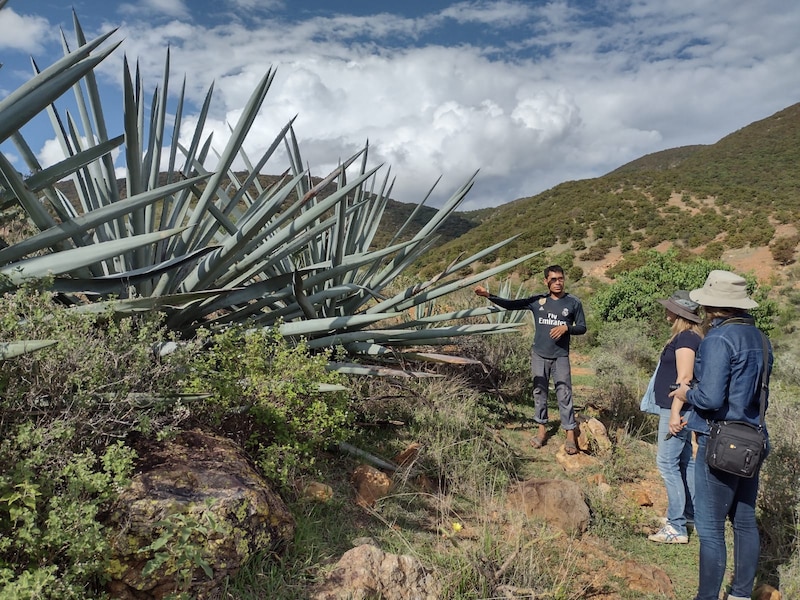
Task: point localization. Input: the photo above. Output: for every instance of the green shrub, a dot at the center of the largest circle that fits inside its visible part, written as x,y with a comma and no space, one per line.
102,377
783,249
633,294
52,543
268,390
64,409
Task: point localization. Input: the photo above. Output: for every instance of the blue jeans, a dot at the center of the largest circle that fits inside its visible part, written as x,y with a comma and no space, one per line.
676,465
542,370
719,495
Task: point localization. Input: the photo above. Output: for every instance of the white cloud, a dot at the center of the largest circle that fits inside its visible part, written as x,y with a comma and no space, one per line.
256,4
572,95
490,13
22,32
50,153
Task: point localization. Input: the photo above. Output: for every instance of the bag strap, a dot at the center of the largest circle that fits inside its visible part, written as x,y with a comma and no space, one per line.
763,400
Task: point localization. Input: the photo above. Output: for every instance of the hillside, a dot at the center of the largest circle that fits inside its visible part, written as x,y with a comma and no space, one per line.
728,198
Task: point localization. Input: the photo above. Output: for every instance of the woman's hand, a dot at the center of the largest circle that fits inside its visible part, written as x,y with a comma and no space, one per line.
676,424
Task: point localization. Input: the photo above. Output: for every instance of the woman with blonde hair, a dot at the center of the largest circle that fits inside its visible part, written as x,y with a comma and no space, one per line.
674,458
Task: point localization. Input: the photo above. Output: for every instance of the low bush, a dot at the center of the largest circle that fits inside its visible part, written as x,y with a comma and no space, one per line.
67,409
265,392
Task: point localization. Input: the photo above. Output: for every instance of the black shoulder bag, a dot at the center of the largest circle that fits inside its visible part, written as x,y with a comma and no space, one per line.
738,447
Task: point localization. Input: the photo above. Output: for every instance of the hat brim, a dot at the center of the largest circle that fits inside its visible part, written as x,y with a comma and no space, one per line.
705,299
680,311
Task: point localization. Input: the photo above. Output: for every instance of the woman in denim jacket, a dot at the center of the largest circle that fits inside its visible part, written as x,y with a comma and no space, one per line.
727,386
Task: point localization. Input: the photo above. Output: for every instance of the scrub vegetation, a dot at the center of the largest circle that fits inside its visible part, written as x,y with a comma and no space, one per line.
263,308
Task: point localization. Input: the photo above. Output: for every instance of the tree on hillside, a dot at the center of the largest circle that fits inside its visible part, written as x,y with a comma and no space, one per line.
633,295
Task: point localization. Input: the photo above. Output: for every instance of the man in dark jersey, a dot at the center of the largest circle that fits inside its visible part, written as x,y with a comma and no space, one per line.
557,316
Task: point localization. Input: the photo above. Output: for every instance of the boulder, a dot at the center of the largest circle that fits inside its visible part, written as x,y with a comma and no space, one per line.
370,485
560,503
646,579
194,483
573,463
593,437
319,492
766,592
367,572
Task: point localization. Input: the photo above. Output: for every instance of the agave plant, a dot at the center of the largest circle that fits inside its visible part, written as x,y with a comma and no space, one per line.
210,245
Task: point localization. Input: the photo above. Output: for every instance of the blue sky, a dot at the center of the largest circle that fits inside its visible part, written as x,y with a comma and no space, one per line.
530,93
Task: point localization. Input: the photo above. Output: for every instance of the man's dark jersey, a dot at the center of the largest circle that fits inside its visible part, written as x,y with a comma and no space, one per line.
550,312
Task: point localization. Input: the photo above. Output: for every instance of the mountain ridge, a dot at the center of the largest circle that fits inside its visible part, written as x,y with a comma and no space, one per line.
741,192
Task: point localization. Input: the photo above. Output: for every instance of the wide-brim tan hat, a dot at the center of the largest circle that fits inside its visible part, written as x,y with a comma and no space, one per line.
680,304
723,289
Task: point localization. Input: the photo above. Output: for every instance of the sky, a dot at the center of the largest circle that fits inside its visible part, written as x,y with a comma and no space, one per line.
529,94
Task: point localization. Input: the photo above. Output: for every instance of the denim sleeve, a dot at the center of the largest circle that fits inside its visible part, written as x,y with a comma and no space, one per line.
712,372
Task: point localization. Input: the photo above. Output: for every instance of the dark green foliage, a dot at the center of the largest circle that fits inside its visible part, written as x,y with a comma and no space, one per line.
66,410
634,293
63,408
783,249
268,388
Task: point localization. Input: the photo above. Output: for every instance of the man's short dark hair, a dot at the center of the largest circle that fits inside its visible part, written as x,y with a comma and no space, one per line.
553,269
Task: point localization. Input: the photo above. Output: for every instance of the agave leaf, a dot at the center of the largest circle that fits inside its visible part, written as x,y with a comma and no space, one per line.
42,178
21,105
331,387
328,324
369,349
69,260
373,370
400,302
12,349
118,284
148,304
254,291
451,316
416,210
83,223
441,358
230,251
229,153
415,336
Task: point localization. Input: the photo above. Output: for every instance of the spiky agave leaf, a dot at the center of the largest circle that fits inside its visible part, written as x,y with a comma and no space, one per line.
18,348
295,253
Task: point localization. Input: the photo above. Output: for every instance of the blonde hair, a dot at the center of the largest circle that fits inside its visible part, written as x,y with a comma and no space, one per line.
680,324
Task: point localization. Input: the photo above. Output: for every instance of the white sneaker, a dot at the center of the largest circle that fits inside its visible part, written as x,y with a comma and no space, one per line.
668,535
689,523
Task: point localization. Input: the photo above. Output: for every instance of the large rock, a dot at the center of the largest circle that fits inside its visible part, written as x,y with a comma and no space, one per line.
560,503
366,572
593,437
207,484
370,485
